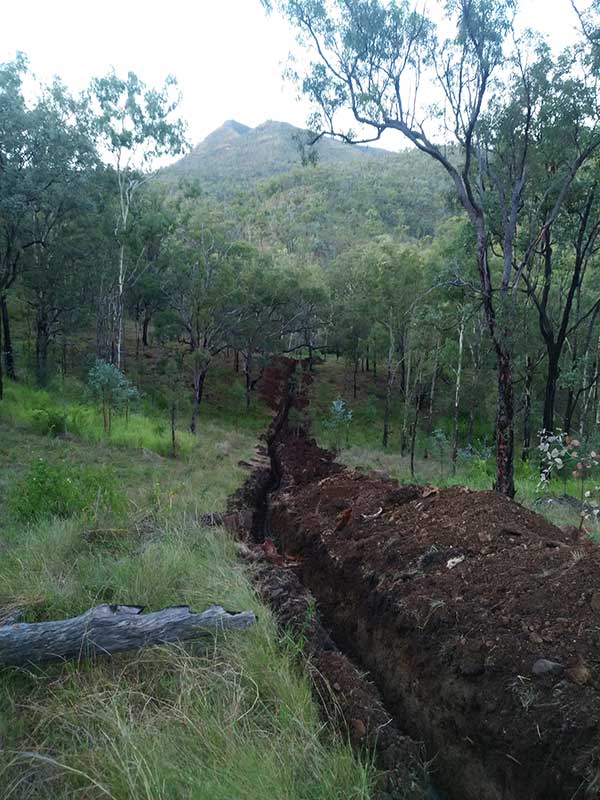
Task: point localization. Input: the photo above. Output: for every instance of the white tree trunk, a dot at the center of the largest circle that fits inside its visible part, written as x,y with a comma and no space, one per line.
461,339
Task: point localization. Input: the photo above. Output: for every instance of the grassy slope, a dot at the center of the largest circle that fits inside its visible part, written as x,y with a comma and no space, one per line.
364,449
237,721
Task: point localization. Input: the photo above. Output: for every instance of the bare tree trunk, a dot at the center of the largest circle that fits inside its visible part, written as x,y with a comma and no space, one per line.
119,306
108,629
9,359
354,378
248,376
527,408
504,428
408,356
63,358
592,391
199,378
597,391
388,389
550,390
173,428
42,340
1,369
145,326
461,338
432,397
413,433
504,433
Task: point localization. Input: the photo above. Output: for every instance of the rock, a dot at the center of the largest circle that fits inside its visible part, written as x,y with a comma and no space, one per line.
545,667
535,638
471,665
222,449
580,674
595,602
380,474
359,728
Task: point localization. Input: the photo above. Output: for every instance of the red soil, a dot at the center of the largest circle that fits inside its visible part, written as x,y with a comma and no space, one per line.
478,619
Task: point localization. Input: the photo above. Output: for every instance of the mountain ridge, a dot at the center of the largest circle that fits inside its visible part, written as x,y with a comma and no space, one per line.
235,155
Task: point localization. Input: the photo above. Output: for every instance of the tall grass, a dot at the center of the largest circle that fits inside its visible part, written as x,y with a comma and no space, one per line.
234,719
39,411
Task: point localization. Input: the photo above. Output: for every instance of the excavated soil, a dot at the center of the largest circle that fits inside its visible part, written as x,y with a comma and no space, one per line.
477,619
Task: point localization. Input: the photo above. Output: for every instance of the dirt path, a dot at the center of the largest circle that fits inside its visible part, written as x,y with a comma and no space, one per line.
477,619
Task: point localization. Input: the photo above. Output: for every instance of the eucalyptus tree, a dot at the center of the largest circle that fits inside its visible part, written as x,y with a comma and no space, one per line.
352,305
202,263
45,150
383,269
384,64
135,126
153,220
562,284
266,303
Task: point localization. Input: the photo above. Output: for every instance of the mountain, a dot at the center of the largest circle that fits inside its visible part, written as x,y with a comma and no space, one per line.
351,193
235,156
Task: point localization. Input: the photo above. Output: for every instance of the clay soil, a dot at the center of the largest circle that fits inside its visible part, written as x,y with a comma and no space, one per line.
478,620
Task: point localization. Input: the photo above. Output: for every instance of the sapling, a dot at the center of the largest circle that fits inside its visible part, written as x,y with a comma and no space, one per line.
441,441
340,417
109,385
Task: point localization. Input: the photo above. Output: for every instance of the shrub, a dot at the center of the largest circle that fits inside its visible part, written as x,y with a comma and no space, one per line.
108,384
48,490
49,421
340,417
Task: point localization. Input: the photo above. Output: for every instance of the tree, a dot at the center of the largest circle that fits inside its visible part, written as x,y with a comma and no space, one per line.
108,384
372,58
45,148
267,299
135,126
200,283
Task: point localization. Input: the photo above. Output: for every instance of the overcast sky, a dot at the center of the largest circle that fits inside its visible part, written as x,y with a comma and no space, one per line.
226,54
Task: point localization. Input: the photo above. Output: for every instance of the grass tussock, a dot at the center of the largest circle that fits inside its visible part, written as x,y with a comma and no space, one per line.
41,412
234,719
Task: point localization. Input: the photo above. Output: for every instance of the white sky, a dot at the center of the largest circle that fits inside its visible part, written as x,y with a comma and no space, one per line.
226,54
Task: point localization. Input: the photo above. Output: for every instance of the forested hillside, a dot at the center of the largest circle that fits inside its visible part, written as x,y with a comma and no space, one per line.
293,371
235,155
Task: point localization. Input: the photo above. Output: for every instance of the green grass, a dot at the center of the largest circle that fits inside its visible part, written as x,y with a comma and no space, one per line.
234,720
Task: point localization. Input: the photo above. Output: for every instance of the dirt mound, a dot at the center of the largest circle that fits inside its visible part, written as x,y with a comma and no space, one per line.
477,618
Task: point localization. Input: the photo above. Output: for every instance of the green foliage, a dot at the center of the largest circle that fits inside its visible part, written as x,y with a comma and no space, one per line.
37,410
60,491
340,417
49,421
124,724
109,385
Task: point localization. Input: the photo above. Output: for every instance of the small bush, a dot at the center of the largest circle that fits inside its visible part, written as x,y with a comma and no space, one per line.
48,490
49,421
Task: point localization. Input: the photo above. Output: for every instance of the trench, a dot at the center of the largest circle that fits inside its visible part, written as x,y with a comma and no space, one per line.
260,488
463,767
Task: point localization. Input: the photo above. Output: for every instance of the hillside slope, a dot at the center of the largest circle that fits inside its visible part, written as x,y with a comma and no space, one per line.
349,193
235,155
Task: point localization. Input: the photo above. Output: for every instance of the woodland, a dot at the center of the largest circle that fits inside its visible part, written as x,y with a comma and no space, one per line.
442,300
470,262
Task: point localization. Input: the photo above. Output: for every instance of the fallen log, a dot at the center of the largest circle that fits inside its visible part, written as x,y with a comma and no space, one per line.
108,629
